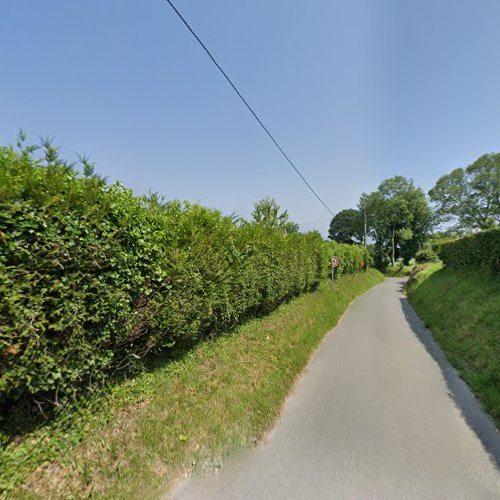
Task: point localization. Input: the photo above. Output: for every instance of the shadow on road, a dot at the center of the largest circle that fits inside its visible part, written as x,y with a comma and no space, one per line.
470,408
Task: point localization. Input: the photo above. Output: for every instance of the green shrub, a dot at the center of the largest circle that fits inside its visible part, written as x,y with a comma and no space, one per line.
426,255
353,258
92,278
481,250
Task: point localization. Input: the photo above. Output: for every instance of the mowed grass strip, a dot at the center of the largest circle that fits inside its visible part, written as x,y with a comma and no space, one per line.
187,415
462,308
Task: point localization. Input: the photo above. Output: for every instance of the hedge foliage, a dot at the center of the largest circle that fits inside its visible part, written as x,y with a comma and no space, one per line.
92,277
426,255
353,258
480,250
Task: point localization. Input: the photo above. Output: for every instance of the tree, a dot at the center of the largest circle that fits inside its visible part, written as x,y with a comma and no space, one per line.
399,217
267,213
470,197
347,227
388,216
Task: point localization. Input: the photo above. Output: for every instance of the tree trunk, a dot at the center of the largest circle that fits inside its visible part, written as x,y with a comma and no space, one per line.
393,256
364,239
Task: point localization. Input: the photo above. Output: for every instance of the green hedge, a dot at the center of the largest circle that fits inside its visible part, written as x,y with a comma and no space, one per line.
480,250
93,278
426,255
353,258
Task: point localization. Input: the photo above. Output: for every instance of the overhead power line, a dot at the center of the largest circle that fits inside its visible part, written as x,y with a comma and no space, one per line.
313,222
266,130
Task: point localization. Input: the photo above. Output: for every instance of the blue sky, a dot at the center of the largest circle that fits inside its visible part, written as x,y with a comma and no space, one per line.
356,91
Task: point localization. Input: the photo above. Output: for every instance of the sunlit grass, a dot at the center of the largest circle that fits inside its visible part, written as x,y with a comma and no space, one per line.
462,308
399,270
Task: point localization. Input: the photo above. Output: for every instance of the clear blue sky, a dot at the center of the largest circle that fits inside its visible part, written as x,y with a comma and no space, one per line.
355,90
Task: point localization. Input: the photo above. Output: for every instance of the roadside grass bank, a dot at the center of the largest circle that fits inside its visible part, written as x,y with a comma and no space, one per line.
462,308
183,416
399,270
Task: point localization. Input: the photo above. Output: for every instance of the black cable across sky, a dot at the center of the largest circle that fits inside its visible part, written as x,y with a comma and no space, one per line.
247,105
313,222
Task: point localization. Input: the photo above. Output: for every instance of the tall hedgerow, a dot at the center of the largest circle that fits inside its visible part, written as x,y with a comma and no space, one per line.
353,258
479,250
92,277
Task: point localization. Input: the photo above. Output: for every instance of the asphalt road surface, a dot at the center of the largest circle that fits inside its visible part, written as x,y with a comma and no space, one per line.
378,414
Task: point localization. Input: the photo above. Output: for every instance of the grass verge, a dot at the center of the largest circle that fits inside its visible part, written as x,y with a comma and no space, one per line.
462,308
183,416
399,270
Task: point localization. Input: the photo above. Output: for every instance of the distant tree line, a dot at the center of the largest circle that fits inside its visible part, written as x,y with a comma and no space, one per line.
399,218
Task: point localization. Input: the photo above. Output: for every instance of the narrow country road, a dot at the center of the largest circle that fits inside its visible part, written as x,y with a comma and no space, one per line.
378,414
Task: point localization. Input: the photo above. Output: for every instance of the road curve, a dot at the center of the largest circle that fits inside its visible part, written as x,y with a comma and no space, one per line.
378,414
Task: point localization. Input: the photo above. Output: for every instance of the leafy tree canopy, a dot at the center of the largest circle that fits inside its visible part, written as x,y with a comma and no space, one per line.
347,227
470,197
267,213
398,216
